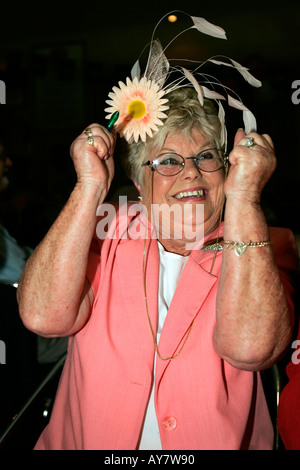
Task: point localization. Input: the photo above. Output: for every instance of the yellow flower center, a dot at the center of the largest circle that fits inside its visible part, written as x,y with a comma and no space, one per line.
136,109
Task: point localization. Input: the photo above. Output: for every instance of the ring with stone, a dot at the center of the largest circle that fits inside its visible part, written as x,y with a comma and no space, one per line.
250,142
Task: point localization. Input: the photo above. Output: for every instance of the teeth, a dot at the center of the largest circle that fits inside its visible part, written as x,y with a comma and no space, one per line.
199,193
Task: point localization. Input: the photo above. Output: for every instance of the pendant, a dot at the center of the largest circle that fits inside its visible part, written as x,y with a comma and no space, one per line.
240,249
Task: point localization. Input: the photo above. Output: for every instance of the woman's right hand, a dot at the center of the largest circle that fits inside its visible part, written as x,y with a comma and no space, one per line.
54,296
94,163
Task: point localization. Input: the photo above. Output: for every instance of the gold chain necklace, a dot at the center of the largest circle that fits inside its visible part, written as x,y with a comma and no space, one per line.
145,292
144,276
149,319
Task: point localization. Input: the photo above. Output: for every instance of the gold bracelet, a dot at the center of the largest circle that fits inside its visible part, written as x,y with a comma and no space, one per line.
240,247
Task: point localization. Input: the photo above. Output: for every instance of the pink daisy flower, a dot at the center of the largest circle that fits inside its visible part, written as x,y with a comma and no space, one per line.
141,108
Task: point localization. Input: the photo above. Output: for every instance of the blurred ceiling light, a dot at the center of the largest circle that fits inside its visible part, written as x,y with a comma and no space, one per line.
172,18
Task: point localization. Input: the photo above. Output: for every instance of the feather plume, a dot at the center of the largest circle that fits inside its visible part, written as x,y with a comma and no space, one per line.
241,69
136,70
246,74
234,103
221,116
248,116
211,94
157,66
249,121
210,29
195,84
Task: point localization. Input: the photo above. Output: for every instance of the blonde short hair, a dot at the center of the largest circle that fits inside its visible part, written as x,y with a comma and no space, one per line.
184,113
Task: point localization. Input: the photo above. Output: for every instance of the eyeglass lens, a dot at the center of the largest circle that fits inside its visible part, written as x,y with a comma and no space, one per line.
169,164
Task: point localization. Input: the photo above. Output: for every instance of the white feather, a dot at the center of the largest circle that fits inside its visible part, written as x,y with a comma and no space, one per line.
195,84
211,94
221,116
241,69
249,121
246,74
236,104
210,29
248,116
136,70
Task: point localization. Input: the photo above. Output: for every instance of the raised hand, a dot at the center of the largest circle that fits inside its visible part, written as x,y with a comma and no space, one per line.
251,166
93,156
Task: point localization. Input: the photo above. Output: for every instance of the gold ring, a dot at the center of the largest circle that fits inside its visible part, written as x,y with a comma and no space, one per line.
88,132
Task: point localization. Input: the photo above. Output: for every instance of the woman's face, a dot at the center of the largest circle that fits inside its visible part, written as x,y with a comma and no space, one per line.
189,203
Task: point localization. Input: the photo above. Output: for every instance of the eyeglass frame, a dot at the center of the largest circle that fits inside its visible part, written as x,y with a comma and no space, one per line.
150,163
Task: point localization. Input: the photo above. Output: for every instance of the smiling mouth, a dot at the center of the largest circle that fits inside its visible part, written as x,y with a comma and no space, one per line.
191,194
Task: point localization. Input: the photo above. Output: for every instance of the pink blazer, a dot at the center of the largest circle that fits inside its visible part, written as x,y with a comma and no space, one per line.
201,401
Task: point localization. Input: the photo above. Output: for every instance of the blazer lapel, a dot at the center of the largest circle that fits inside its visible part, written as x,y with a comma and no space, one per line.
186,304
129,259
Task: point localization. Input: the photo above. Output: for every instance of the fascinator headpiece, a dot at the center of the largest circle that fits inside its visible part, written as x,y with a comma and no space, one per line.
142,101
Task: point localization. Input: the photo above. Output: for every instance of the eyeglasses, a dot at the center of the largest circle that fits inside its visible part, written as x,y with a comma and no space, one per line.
170,164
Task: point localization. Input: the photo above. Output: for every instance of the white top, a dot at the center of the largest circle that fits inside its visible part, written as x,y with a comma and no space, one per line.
170,269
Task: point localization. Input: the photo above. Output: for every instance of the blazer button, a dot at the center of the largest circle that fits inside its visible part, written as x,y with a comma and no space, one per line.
169,423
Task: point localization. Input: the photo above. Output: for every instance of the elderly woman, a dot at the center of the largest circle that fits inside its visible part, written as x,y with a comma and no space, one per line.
166,341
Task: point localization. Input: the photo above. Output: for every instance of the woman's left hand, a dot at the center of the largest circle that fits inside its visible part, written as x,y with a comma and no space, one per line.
251,167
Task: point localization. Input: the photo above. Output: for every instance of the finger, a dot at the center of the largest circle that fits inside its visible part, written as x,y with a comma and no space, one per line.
253,141
97,130
248,143
269,140
258,153
240,134
103,142
102,147
263,140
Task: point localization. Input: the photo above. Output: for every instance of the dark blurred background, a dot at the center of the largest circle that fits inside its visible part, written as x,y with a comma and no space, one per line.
60,59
